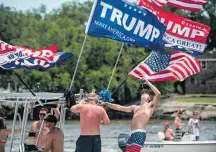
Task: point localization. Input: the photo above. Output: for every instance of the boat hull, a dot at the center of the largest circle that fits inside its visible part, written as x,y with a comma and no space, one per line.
204,146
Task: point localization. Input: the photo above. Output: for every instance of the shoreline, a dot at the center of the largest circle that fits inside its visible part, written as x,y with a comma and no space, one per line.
165,110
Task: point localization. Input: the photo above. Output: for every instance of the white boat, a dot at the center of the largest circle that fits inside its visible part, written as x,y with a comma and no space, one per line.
171,146
182,146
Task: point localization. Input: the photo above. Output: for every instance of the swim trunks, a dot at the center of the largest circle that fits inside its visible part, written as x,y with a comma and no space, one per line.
88,143
136,141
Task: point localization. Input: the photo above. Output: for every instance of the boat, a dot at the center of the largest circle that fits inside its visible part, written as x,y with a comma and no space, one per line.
171,146
45,99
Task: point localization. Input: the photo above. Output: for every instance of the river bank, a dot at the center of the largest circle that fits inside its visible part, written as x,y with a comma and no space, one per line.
166,109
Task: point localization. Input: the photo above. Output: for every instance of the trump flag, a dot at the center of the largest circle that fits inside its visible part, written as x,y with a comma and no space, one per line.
125,22
21,61
181,33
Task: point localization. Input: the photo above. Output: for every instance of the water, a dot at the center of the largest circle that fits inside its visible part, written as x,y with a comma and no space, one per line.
109,134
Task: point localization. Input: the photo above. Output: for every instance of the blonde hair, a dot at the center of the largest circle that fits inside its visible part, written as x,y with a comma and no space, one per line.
92,96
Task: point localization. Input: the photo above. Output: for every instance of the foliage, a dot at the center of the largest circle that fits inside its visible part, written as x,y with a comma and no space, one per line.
65,27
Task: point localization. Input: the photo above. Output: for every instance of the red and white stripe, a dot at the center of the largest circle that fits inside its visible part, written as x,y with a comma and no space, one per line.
159,2
133,148
191,5
181,66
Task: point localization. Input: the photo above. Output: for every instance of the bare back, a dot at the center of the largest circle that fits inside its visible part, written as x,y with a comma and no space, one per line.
90,119
142,115
57,137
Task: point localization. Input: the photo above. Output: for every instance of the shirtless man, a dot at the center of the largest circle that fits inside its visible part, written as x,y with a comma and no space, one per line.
141,117
37,125
4,134
55,136
178,125
169,135
91,116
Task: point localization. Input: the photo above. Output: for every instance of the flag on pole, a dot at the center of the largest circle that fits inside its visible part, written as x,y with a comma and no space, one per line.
159,2
191,5
181,33
126,22
43,53
160,67
29,62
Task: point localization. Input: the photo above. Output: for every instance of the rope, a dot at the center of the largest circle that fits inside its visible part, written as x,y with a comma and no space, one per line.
115,65
71,85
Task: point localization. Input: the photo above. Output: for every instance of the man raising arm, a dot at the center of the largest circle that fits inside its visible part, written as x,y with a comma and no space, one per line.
142,114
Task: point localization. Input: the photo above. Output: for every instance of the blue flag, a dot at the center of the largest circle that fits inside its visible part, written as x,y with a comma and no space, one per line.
17,60
125,22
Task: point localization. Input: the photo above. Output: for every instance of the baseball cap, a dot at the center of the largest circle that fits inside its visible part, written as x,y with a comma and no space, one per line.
51,118
166,124
179,111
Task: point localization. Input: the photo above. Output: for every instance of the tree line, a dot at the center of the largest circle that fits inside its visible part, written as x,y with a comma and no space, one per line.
65,27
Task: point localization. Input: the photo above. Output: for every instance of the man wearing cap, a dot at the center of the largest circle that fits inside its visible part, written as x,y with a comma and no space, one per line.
169,135
178,125
91,116
55,136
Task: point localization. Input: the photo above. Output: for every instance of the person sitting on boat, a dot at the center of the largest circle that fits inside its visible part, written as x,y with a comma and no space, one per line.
91,117
55,136
178,125
142,114
40,138
4,134
169,135
194,125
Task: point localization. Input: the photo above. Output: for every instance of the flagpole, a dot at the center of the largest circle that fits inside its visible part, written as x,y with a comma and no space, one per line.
115,65
75,71
120,85
18,76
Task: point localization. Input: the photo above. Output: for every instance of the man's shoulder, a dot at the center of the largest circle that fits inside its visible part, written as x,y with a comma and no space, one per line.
35,122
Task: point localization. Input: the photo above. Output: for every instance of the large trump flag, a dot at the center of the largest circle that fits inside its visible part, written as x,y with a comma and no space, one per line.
125,22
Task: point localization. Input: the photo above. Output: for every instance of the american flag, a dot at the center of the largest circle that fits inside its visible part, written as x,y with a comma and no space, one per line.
160,67
158,2
191,5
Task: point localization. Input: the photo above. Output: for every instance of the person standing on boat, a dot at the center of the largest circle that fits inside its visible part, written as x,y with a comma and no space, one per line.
37,125
178,125
91,117
168,132
194,125
142,114
55,136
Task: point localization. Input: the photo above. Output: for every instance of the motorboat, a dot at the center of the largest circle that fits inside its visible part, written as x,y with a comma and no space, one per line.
186,145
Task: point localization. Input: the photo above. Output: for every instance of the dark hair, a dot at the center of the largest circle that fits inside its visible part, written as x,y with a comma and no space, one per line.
144,91
51,118
2,123
44,109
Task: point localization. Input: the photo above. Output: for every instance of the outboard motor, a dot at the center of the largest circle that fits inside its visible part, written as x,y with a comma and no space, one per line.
122,140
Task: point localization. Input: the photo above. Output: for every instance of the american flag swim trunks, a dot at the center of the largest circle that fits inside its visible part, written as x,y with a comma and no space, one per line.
136,141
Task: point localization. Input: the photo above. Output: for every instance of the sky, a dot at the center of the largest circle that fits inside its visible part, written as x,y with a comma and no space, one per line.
29,4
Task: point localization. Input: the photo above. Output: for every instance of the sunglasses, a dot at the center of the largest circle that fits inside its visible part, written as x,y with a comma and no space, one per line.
42,114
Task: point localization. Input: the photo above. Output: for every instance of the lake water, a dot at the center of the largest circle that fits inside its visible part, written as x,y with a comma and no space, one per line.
109,134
